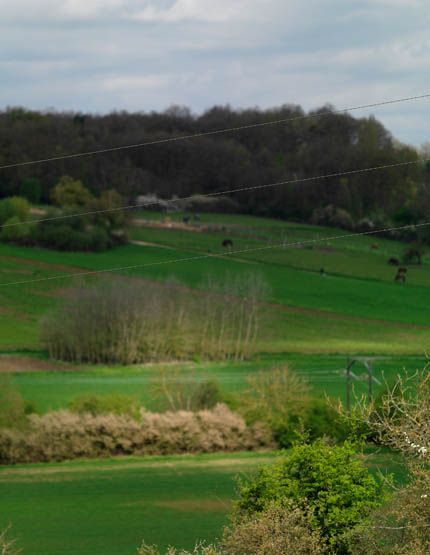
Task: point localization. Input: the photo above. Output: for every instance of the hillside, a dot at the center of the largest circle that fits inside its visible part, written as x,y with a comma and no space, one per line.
354,308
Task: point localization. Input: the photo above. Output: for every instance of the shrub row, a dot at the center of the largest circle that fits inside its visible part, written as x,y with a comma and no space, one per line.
63,435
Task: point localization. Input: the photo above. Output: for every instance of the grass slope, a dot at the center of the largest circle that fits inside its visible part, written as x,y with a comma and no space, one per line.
107,507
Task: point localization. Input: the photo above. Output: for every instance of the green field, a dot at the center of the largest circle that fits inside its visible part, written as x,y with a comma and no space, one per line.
314,322
106,507
55,389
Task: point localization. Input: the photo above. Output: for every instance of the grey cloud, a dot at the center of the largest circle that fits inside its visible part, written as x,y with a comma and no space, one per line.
101,55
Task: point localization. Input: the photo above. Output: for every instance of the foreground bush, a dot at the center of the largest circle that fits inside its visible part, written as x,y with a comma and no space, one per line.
284,530
146,549
402,526
276,531
400,420
330,481
7,545
62,435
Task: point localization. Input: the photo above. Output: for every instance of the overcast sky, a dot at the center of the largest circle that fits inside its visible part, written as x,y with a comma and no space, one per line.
101,55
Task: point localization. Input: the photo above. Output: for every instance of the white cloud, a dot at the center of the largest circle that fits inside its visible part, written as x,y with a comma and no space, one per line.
199,10
139,82
146,54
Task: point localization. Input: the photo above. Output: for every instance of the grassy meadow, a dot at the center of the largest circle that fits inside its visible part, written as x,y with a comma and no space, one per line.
314,322
108,506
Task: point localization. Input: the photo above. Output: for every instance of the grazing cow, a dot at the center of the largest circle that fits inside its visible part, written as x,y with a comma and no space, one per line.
227,243
394,261
196,217
401,275
186,219
322,271
375,246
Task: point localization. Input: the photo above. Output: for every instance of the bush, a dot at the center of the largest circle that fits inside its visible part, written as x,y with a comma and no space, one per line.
279,398
284,530
31,189
332,216
276,531
402,526
76,236
322,420
70,192
14,207
179,391
104,404
63,435
14,230
330,481
13,408
282,400
200,549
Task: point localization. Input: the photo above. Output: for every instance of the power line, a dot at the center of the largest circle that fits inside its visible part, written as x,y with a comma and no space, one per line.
213,132
228,191
212,255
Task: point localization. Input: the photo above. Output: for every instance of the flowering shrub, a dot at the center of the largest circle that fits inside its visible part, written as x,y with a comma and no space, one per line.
62,435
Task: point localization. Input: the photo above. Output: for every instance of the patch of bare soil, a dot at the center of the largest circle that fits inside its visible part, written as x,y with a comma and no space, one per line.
53,473
148,244
15,364
39,264
15,271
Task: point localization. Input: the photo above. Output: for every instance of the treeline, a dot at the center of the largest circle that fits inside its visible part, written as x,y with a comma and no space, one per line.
296,149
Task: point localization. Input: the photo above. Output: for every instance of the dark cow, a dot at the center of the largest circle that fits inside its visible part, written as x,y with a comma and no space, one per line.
186,219
401,275
375,246
394,261
227,243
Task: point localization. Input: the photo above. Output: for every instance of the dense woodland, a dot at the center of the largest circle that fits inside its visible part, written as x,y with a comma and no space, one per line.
294,150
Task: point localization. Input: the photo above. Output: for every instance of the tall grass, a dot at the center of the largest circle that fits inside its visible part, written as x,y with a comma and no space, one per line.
127,321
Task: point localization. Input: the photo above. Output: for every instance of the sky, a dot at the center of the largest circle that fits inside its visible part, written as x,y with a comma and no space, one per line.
143,55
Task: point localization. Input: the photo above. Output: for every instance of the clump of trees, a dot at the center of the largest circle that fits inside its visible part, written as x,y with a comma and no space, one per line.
77,221
128,321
